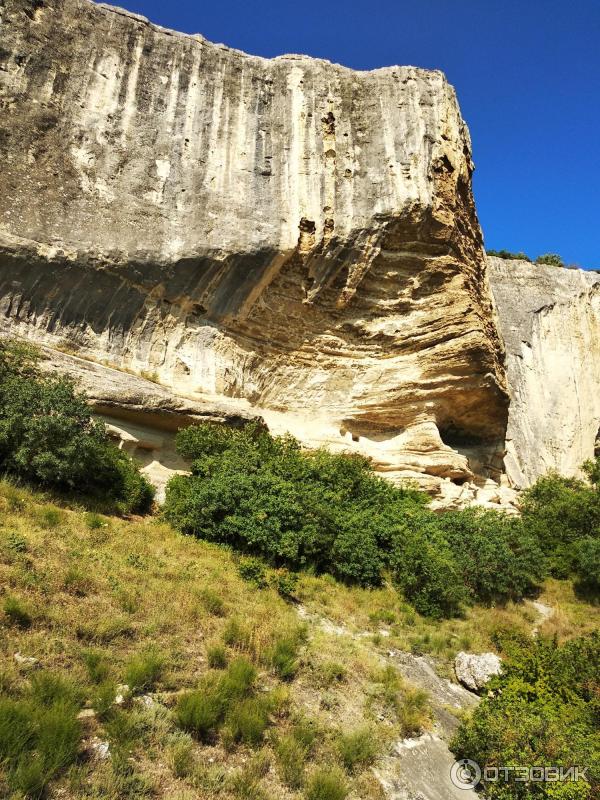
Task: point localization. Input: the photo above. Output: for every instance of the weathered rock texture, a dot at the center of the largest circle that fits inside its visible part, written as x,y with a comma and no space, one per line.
288,232
550,321
289,235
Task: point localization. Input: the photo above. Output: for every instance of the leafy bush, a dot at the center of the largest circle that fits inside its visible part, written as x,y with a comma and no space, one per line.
263,495
587,565
286,583
543,709
48,437
499,558
559,512
253,571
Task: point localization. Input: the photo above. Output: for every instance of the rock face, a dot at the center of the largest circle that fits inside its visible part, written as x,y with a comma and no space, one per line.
287,238
287,232
550,322
474,671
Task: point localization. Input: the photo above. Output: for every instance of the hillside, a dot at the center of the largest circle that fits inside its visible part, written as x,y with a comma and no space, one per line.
98,601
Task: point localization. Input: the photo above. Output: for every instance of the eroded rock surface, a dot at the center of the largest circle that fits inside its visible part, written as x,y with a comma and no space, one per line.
287,235
286,232
550,322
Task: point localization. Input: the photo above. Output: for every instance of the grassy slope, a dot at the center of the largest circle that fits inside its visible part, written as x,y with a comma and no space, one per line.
121,587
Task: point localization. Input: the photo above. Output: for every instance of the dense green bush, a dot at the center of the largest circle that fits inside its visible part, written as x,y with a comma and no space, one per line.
543,710
265,496
498,556
48,437
587,565
559,512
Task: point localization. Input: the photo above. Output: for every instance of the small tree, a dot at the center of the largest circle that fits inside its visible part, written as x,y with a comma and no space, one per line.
552,259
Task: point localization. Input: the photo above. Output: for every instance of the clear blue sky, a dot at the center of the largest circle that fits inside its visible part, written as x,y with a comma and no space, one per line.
527,73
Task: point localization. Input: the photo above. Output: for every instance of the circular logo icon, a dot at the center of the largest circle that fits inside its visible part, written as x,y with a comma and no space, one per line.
465,774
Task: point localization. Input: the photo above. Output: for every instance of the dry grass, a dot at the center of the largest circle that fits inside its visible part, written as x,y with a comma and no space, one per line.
103,600
110,600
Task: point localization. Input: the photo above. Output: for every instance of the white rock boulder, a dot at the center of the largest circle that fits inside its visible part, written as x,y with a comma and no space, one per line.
474,671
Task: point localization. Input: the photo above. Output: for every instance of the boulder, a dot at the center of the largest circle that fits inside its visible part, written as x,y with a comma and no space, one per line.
475,670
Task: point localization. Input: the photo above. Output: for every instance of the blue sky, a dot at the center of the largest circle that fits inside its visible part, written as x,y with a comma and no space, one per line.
527,74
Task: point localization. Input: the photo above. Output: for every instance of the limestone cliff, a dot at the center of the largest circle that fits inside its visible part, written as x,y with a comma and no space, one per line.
286,233
550,321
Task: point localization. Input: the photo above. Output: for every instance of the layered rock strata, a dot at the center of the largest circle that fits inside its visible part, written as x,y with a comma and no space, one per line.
287,233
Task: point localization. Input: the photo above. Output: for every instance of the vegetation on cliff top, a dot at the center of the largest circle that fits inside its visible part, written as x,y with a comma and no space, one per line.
552,259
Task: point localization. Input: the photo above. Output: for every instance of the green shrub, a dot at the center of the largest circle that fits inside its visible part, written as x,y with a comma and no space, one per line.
97,665
552,259
291,759
247,720
39,734
358,748
500,558
16,612
506,254
212,602
48,438
542,709
587,565
284,655
253,571
331,513
327,783
216,656
286,583
144,670
559,512
262,494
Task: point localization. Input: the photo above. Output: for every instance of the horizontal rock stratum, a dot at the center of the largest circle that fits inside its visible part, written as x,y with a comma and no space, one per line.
290,236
